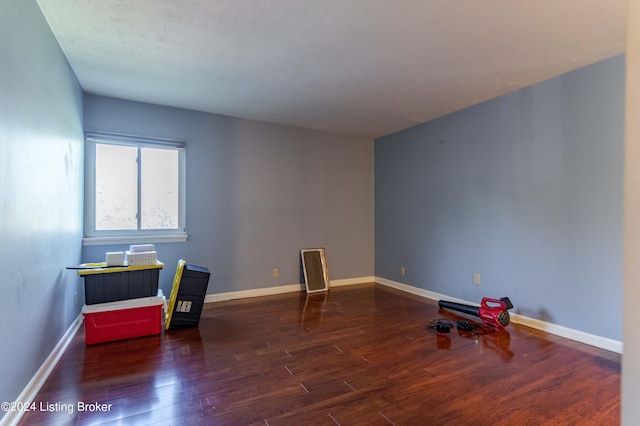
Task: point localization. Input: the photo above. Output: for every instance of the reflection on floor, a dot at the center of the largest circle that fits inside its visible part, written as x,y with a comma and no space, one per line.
357,355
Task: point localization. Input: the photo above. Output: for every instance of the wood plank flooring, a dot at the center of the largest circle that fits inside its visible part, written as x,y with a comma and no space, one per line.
358,355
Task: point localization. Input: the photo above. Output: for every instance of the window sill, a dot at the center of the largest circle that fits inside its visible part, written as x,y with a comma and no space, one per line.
140,239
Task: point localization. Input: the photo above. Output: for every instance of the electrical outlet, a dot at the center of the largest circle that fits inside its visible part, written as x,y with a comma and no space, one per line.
402,271
275,273
476,279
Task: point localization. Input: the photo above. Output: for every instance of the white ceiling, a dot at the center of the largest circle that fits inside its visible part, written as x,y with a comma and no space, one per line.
360,67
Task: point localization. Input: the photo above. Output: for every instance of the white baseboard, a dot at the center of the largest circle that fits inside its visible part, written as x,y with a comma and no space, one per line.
419,291
30,392
569,333
269,291
352,281
558,330
256,292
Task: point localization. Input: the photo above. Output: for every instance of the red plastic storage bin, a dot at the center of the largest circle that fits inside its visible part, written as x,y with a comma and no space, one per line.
106,322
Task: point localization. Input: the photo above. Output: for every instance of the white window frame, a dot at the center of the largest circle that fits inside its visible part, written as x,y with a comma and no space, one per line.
135,236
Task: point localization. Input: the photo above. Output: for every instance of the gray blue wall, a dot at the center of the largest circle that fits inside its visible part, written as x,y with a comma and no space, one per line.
41,163
525,189
257,193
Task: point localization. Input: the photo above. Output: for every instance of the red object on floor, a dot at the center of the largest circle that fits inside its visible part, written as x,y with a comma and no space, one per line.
107,322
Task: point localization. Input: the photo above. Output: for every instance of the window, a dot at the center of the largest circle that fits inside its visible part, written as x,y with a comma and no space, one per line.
135,190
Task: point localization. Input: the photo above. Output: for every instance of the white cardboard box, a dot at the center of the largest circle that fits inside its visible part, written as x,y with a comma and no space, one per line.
114,258
141,258
141,247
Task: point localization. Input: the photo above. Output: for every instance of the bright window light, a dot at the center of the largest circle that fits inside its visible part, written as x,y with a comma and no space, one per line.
134,187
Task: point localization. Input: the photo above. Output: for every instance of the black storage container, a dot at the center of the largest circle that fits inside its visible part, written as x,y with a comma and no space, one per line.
121,283
187,296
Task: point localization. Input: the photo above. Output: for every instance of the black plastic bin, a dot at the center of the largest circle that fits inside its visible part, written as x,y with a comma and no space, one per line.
120,283
187,296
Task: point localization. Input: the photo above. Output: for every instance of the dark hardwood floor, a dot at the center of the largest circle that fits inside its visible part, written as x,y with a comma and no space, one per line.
358,355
